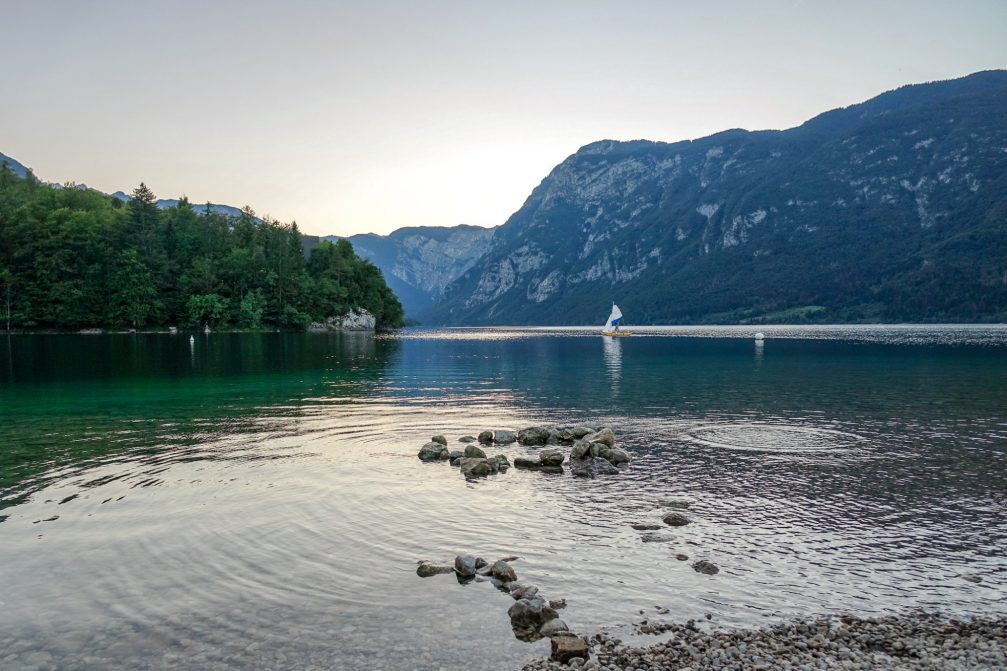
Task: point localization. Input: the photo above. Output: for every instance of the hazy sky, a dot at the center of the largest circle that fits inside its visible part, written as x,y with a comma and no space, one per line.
368,116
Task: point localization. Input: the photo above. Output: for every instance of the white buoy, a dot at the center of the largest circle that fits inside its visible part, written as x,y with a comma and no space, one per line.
192,339
759,337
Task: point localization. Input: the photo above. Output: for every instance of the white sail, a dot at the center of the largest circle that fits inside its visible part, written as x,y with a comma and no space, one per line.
613,319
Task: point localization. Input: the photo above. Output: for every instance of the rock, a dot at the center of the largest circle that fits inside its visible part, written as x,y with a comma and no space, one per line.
530,613
481,563
439,439
557,604
605,437
578,432
467,439
474,467
646,527
504,437
682,557
433,452
580,450
474,451
503,572
534,435
707,567
502,462
972,577
527,462
551,458
553,627
550,469
676,520
590,467
656,538
554,437
465,566
426,569
519,591
357,319
615,457
675,503
455,454
567,647
486,437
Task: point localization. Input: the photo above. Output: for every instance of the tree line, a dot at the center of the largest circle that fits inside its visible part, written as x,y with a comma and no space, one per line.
73,258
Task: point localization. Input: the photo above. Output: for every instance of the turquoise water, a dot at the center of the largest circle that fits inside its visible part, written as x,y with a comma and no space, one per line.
255,501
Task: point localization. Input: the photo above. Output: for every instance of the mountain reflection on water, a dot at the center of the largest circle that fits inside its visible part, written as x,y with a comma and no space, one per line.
255,500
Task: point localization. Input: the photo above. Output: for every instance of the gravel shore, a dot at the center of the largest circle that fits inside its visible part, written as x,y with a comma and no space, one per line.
917,641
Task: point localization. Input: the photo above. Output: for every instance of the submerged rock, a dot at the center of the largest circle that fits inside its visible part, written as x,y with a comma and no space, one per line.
426,569
439,439
503,437
433,452
676,519
646,527
485,437
653,537
467,439
707,567
474,451
682,557
682,504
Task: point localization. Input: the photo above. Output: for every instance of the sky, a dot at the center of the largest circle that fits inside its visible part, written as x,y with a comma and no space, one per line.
354,117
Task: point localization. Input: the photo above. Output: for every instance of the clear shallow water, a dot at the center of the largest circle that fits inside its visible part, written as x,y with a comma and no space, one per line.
256,501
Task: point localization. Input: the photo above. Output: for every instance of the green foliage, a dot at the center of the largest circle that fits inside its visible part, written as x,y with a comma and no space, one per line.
205,309
251,309
71,258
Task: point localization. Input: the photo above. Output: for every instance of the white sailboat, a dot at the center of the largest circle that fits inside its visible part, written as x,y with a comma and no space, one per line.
612,326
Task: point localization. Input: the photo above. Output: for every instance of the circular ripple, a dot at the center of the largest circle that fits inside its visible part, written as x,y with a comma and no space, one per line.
773,438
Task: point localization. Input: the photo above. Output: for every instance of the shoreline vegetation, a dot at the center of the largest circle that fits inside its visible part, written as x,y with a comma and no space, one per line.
72,258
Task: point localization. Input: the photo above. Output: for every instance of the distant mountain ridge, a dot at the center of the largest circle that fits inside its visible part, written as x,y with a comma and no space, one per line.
894,209
419,262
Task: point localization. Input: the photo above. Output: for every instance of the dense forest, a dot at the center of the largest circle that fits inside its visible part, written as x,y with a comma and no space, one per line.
73,258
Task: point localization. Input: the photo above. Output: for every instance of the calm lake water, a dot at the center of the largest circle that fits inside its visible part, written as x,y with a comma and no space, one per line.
255,500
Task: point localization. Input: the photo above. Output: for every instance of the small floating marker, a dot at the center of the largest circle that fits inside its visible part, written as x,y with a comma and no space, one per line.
192,339
759,337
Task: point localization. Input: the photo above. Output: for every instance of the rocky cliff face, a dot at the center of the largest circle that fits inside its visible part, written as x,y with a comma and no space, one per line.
419,262
894,209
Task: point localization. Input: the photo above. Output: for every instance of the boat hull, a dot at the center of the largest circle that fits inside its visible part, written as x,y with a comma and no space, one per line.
617,335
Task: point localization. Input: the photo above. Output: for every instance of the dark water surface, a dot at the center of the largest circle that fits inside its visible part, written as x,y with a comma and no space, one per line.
255,501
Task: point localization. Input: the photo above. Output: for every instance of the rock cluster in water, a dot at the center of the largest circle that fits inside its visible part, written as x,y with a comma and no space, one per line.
592,451
915,641
532,617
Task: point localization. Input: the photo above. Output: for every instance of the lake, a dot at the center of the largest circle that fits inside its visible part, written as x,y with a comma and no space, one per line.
255,500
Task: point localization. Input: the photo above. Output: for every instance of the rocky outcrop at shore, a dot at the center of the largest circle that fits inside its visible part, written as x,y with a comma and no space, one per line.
357,319
913,641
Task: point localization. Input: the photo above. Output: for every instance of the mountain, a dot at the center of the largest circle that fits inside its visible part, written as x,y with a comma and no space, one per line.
419,262
16,167
200,208
894,209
